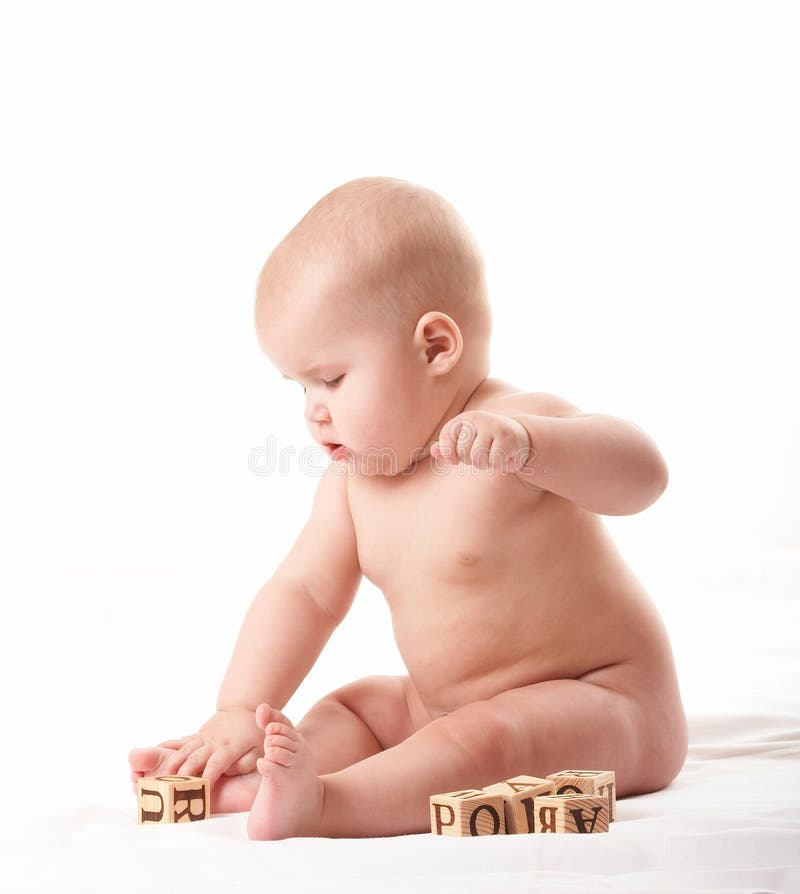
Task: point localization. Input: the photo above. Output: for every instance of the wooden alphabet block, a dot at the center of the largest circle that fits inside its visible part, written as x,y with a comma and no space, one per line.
469,812
518,794
173,799
571,813
588,782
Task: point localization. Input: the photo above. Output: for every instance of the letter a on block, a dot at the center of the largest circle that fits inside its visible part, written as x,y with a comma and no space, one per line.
173,799
465,813
583,814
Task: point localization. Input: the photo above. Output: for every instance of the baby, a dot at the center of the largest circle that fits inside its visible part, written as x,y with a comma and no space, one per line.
475,507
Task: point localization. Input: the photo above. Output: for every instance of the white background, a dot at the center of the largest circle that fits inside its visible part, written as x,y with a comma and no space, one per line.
630,170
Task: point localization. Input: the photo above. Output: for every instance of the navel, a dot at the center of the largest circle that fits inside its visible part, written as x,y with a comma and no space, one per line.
466,558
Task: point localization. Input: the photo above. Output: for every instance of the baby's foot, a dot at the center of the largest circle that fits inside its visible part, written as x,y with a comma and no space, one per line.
289,799
229,794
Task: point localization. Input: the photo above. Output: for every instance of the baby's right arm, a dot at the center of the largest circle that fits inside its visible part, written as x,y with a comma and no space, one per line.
283,633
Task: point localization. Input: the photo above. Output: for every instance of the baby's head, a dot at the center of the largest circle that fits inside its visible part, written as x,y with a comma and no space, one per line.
380,287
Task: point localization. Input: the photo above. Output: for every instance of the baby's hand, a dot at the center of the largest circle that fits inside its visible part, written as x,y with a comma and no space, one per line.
228,743
484,440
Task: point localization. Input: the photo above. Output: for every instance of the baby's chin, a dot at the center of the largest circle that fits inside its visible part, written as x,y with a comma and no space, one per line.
385,463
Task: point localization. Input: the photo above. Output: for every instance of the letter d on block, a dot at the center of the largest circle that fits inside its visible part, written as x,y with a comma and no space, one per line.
147,798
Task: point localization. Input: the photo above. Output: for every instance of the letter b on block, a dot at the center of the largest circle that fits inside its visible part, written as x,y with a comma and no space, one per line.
173,799
470,812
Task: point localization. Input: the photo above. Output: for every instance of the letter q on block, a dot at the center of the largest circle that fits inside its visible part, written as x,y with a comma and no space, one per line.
173,799
466,813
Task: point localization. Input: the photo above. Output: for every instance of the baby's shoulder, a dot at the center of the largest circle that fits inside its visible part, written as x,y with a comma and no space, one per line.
499,396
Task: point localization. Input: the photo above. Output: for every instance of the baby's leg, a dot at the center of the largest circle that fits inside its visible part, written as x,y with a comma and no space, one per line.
346,726
537,730
359,720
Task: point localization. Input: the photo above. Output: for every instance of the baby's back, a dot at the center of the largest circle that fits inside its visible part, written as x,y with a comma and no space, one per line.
492,585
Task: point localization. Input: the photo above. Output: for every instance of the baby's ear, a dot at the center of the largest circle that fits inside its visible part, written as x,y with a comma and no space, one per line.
439,340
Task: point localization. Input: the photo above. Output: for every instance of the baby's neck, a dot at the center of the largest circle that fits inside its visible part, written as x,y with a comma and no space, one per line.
466,393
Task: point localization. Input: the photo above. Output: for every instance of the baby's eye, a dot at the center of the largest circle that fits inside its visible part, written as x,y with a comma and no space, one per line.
329,383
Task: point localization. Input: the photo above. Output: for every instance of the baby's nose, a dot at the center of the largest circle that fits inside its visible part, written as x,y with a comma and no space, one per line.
316,411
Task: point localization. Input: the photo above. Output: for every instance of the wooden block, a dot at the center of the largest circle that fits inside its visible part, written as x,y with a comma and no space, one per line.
518,794
571,813
469,812
588,782
173,799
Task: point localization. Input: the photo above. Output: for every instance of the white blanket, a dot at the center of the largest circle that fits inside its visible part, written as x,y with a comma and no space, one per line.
730,822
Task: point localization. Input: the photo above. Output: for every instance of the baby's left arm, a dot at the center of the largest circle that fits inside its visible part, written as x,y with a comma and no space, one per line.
603,463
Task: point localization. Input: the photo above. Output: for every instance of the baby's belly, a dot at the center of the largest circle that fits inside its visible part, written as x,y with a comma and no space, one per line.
501,589
474,636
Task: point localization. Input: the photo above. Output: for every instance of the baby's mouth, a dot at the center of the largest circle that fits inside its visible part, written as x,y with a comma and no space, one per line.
338,452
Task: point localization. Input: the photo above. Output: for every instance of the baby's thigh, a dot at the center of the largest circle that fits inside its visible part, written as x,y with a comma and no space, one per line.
386,705
572,724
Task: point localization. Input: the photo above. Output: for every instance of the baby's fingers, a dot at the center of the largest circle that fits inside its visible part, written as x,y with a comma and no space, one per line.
246,763
196,762
455,440
176,743
218,763
176,760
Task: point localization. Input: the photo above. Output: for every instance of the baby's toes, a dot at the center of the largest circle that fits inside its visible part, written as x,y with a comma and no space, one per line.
266,714
281,732
281,744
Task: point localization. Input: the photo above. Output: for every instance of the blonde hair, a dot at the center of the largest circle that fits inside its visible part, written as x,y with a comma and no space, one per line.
401,248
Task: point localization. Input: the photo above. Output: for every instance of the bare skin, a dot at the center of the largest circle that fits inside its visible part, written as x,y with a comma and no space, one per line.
512,627
530,645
